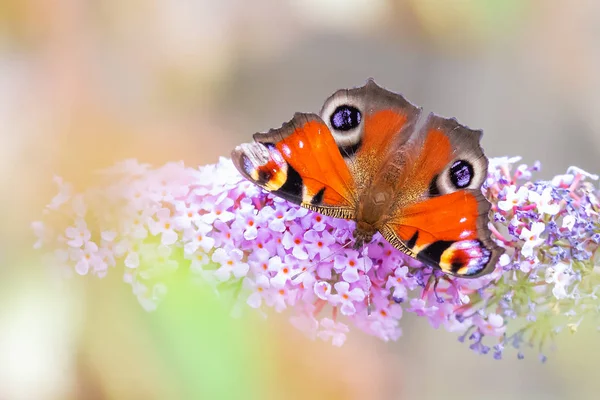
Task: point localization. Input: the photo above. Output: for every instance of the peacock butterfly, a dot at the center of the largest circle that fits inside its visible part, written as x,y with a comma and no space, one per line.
363,158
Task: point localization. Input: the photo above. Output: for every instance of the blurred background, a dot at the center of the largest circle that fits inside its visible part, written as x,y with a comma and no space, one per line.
86,83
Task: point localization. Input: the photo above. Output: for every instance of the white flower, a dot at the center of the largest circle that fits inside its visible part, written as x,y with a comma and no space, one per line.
276,217
231,263
259,288
88,258
513,198
578,171
532,238
568,178
282,297
186,214
399,282
492,326
284,274
136,226
560,276
79,234
197,238
163,225
568,222
544,202
504,260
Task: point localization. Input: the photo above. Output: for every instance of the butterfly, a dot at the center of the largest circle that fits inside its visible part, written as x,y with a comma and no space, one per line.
365,158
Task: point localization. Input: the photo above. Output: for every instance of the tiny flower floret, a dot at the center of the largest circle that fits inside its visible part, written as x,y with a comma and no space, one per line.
346,298
532,238
514,198
544,202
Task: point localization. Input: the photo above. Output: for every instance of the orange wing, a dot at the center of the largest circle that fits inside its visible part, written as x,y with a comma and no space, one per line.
449,232
440,216
300,162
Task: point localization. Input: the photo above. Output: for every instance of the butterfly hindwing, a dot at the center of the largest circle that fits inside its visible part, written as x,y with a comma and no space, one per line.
449,232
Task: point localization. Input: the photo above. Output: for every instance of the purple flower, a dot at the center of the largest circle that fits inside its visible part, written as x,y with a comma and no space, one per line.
345,298
230,264
323,290
147,223
318,243
293,240
349,263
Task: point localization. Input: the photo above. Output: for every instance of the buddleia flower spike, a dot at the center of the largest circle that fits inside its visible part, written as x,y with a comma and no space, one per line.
146,223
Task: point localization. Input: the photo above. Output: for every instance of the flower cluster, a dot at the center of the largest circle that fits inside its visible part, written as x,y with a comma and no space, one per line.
148,223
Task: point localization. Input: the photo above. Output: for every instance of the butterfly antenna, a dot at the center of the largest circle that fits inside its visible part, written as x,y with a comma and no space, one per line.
368,284
336,252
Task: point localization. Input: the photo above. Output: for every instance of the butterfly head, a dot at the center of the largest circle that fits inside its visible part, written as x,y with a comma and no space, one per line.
363,234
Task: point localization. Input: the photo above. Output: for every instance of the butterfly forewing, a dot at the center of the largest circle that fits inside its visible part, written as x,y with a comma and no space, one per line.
300,162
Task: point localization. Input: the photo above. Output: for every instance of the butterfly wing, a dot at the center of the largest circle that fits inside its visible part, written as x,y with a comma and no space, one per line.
301,163
440,216
367,123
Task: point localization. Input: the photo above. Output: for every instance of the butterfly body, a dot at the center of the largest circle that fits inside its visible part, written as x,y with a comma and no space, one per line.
373,210
362,159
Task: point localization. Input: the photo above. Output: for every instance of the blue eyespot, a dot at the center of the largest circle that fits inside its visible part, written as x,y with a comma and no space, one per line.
461,174
345,118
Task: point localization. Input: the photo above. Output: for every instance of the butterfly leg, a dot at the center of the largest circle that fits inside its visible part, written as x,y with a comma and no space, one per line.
434,278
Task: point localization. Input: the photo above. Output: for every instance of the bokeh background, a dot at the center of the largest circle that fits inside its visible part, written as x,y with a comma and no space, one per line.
86,83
